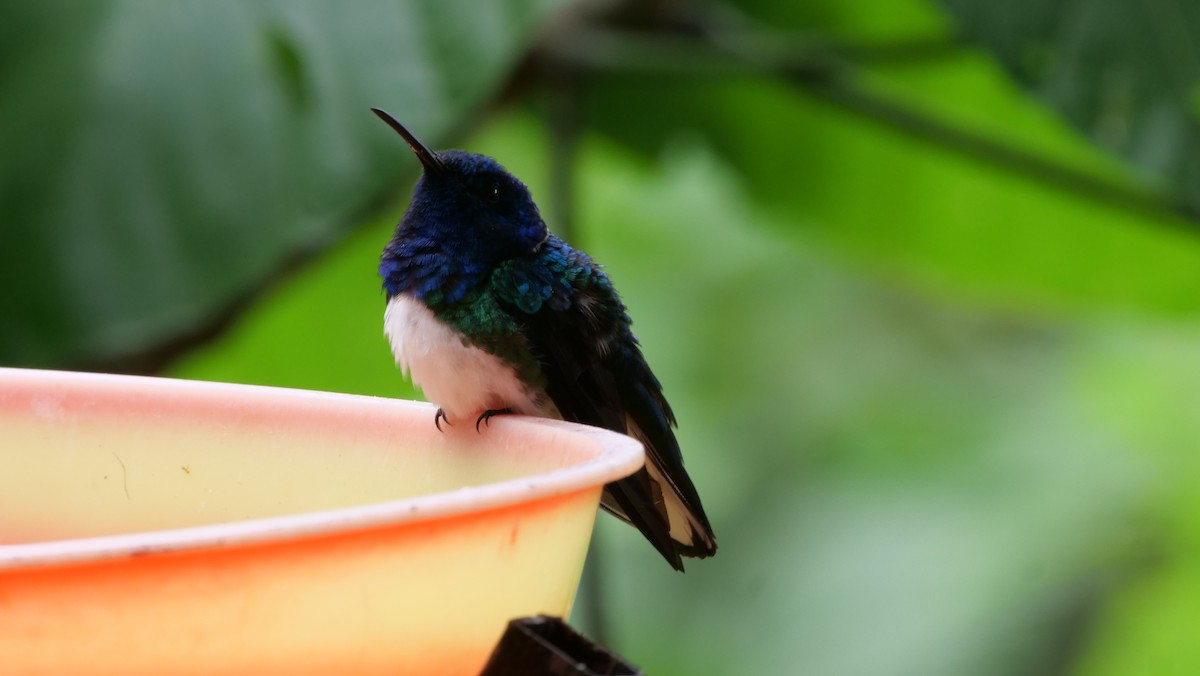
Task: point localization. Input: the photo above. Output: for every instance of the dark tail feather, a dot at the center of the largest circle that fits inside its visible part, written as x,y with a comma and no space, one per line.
636,501
631,500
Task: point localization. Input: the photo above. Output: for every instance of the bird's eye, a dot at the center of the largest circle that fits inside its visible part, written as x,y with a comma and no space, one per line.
486,189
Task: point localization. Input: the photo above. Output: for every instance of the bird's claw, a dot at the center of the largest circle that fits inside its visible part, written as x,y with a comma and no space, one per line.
487,416
439,417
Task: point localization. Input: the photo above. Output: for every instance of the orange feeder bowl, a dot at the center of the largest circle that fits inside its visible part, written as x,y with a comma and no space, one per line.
152,526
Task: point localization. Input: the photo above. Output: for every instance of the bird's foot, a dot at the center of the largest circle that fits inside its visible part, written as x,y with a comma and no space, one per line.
487,415
439,417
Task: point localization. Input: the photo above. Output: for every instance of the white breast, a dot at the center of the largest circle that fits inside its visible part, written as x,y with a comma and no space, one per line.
462,379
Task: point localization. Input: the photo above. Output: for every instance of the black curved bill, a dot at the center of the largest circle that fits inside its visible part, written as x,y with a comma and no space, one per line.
428,158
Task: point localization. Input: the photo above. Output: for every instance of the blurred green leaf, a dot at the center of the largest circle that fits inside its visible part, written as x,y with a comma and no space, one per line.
1126,73
161,159
936,216
893,21
1143,386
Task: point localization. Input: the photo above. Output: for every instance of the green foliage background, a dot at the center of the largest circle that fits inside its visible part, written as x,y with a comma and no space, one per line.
926,307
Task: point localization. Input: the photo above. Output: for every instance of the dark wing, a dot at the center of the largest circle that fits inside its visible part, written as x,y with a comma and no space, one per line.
594,372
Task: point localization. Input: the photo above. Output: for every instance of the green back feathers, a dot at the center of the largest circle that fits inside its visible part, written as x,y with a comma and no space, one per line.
490,315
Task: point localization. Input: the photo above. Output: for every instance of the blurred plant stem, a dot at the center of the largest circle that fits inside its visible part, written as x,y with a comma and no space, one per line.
562,101
592,588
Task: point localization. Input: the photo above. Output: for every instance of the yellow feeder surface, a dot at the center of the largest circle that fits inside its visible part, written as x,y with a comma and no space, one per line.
153,526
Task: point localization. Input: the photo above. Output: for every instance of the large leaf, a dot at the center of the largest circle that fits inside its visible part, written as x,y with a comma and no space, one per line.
923,165
919,211
160,160
1126,73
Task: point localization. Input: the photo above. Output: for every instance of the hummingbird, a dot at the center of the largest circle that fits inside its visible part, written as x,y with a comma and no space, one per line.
491,314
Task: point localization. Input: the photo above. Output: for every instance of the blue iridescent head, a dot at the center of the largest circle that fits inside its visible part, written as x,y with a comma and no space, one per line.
466,216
